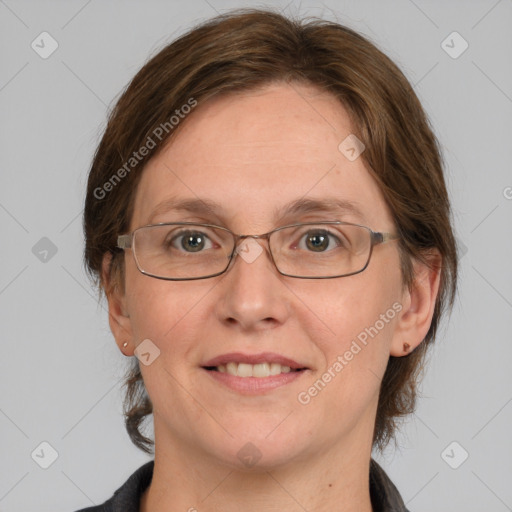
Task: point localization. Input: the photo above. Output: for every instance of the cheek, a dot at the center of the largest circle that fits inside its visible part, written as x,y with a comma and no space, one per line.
360,314
354,352
158,308
165,312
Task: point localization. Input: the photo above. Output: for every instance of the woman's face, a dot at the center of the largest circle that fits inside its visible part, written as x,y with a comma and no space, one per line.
252,154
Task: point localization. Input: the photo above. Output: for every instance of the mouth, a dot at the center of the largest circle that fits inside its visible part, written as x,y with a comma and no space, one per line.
254,373
260,370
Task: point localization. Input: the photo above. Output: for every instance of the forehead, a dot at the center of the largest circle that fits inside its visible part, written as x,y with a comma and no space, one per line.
253,153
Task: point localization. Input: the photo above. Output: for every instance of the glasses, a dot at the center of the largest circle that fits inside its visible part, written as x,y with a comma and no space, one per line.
179,251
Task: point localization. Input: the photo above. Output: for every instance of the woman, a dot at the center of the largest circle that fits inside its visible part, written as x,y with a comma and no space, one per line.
267,216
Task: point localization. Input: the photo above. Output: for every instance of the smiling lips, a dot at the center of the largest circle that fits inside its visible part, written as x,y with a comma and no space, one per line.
262,365
253,370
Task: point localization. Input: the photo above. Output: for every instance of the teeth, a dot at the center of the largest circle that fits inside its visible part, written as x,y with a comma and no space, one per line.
231,368
244,370
275,369
259,370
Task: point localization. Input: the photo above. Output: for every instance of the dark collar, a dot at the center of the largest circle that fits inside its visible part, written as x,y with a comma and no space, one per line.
384,495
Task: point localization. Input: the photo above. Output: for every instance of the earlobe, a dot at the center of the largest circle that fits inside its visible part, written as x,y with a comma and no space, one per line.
118,316
419,304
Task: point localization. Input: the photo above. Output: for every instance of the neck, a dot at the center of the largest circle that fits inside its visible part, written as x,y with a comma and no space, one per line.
192,482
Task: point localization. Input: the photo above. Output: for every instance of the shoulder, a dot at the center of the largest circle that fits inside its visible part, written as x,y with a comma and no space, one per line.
105,507
384,494
127,497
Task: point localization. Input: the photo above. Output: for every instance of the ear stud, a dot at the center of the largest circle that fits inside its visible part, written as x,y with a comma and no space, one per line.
406,347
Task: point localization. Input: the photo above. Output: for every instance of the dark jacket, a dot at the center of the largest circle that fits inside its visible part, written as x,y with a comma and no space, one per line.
384,495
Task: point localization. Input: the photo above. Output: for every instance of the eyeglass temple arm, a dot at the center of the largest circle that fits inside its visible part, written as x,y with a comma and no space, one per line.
124,241
381,238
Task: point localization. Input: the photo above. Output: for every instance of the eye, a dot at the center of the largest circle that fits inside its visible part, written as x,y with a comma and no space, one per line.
320,240
190,241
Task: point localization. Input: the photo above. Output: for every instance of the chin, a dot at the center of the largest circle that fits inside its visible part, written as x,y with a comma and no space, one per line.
260,445
259,455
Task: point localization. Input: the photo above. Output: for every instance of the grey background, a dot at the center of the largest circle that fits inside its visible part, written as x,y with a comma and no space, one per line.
60,370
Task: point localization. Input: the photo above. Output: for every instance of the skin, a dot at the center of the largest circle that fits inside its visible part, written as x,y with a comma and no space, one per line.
252,152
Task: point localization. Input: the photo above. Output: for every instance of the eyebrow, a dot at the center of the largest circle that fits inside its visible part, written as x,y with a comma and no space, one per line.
302,206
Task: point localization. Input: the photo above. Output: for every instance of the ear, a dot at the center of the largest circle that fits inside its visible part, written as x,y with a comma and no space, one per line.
418,306
118,317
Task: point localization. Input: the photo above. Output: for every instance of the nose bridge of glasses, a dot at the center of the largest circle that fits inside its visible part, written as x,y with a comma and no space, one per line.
240,239
250,252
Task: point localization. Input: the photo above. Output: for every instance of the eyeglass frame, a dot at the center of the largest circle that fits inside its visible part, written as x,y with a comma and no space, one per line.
376,238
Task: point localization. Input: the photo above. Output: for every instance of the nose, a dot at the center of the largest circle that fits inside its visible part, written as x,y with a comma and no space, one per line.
252,293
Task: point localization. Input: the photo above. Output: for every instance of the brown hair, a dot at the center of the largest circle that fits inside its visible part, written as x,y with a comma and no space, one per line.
246,49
